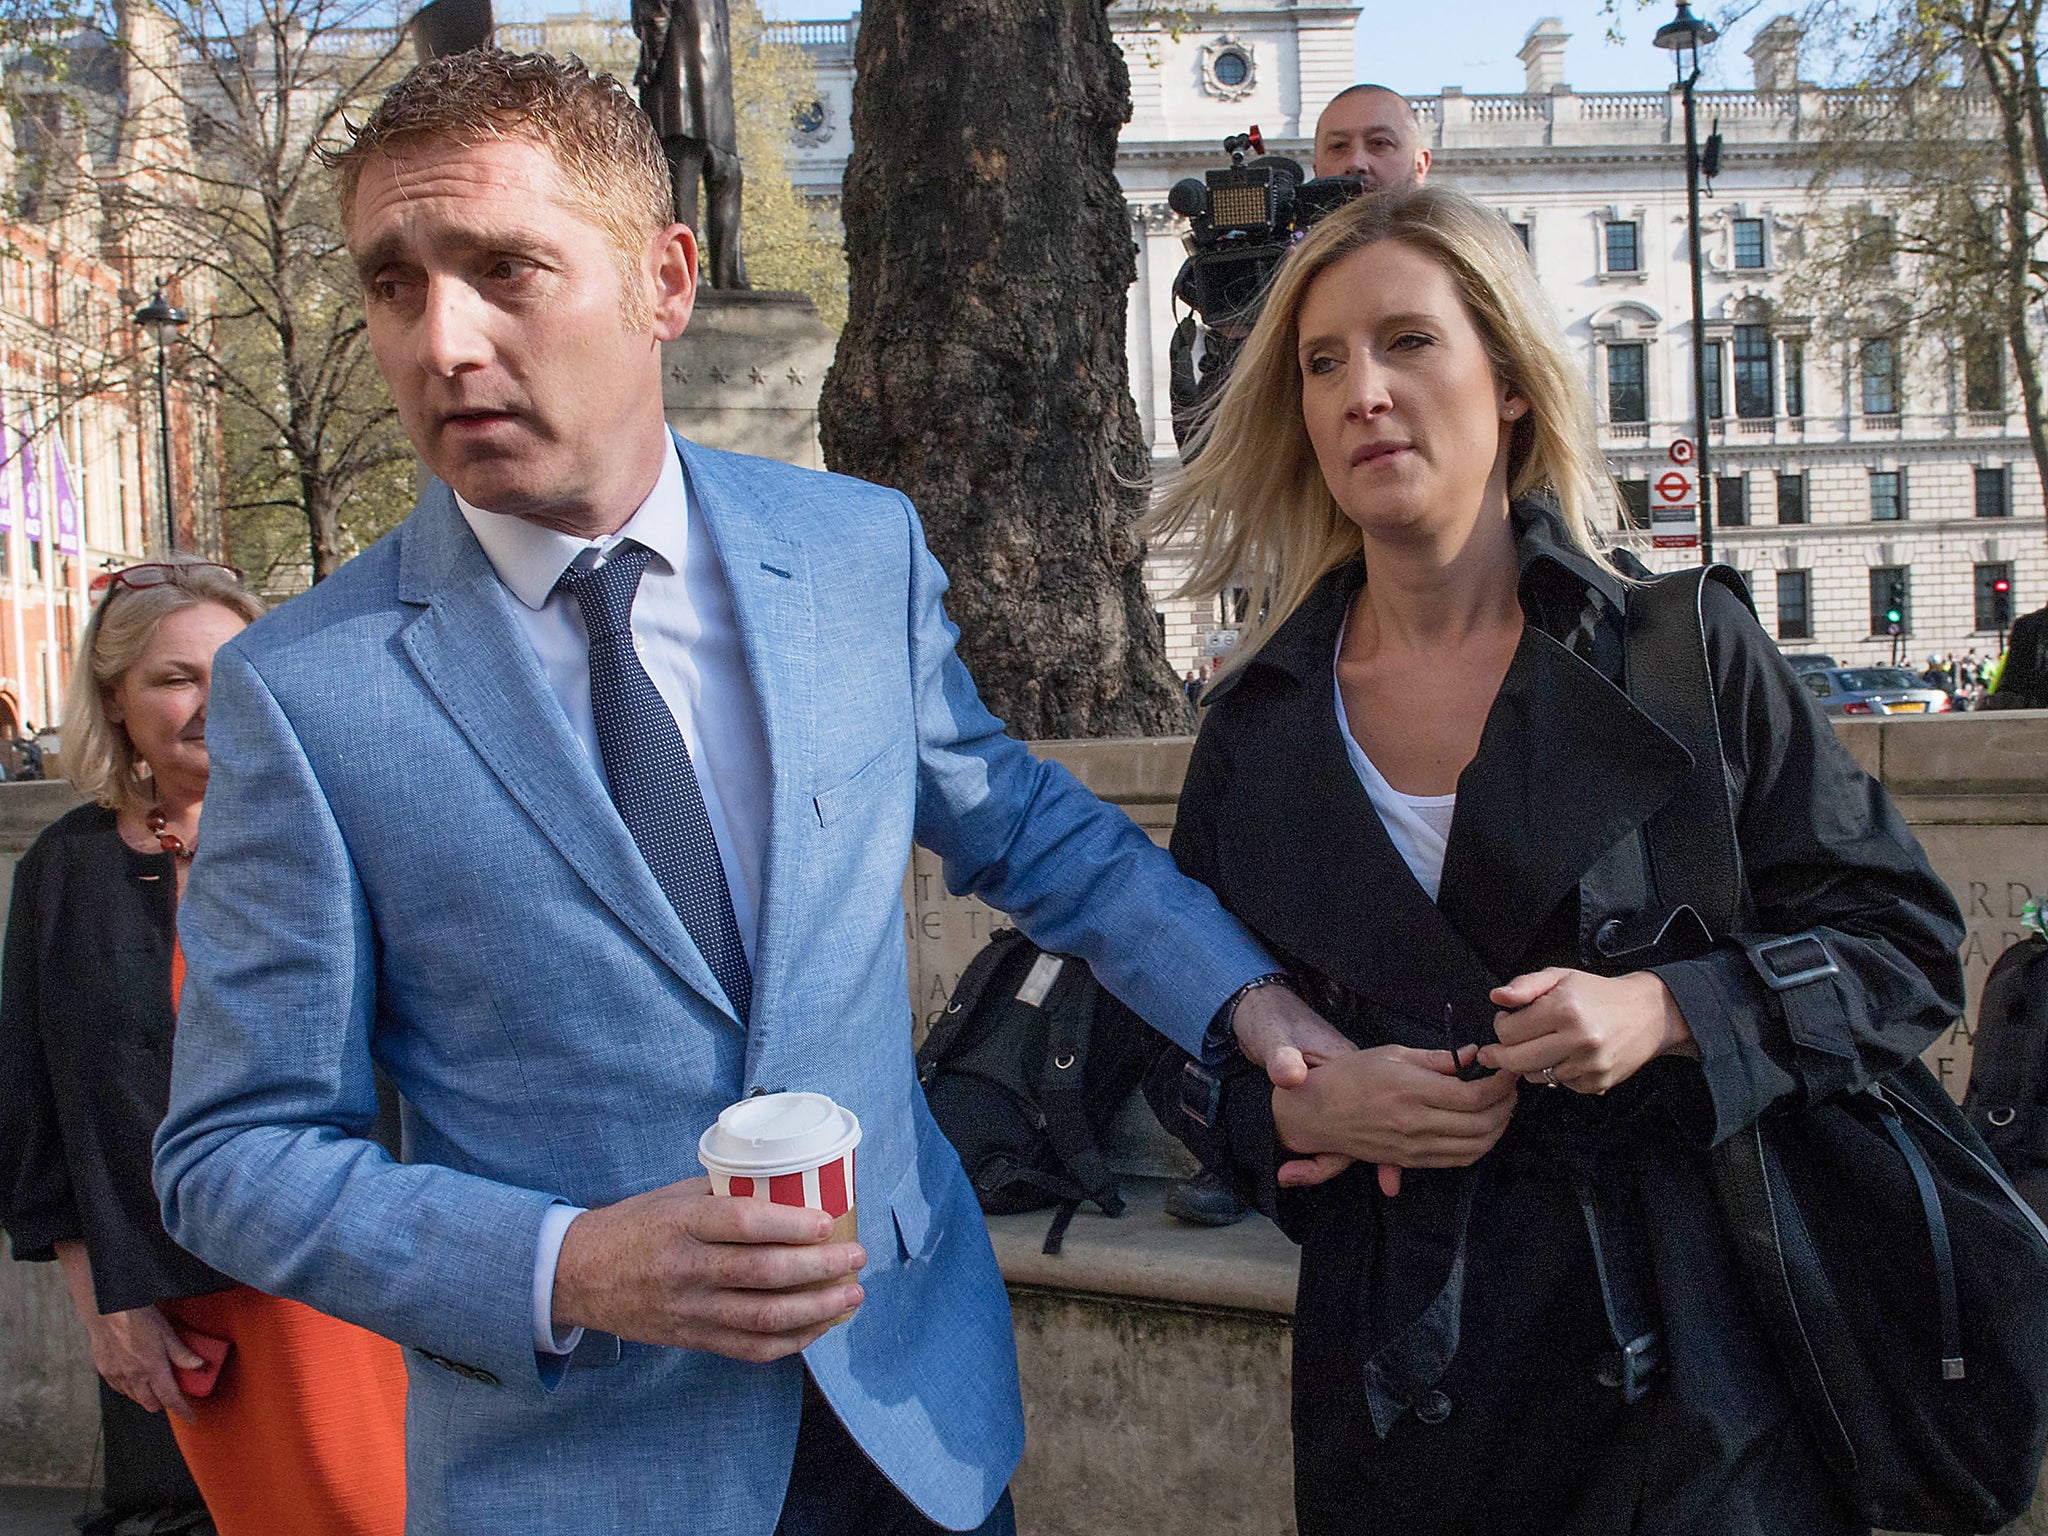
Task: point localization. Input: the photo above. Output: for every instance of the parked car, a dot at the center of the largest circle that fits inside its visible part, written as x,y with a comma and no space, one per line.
1810,661
1874,691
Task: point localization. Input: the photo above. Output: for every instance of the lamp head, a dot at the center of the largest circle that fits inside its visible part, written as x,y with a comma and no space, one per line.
160,317
1685,34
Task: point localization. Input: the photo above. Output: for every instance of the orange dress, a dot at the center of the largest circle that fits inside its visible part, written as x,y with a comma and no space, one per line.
304,1433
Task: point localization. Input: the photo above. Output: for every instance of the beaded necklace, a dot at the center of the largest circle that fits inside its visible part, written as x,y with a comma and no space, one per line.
169,841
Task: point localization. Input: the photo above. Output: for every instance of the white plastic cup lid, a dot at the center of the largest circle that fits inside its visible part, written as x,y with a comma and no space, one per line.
778,1133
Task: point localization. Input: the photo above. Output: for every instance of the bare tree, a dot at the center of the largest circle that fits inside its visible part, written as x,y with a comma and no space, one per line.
224,188
1944,130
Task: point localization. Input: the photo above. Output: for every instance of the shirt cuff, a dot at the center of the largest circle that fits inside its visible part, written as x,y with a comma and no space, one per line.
554,1226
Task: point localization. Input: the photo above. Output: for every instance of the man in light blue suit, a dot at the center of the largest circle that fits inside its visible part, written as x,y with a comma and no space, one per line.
580,804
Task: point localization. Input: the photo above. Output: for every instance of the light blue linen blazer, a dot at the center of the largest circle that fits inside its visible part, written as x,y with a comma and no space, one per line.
409,859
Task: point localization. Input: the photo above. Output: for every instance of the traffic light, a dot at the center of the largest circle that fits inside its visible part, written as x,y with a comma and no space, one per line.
1895,610
2001,601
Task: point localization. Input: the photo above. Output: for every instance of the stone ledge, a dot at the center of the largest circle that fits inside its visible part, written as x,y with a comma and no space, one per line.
1147,1255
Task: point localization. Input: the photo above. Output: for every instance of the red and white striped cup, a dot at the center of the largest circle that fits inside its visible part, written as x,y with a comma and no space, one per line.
788,1149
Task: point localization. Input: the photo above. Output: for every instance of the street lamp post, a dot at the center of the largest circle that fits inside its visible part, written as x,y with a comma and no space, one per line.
1684,35
163,320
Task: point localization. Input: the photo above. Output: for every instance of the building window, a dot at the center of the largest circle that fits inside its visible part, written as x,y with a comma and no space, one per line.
1635,503
1731,501
1752,371
1795,605
1994,495
1887,495
1795,376
1621,246
1522,234
1876,245
35,558
1233,66
1994,607
1749,244
1713,359
1626,399
1880,359
1791,498
1891,592
1984,375
1233,607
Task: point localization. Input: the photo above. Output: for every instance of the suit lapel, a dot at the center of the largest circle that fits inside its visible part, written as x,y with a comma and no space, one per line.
1566,768
473,657
770,580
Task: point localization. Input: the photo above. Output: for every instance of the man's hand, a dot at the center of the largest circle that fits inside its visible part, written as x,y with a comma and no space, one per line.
1589,1032
684,1267
1394,1106
135,1351
1279,1032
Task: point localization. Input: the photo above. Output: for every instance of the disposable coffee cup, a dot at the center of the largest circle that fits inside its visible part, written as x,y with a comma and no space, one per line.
788,1149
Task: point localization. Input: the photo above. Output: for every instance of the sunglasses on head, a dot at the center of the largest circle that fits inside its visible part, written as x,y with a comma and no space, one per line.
137,578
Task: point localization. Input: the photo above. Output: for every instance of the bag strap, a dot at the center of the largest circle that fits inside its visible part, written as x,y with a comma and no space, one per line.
1070,1023
1693,847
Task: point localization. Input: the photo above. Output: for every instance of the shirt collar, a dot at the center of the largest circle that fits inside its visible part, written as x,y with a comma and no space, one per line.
530,559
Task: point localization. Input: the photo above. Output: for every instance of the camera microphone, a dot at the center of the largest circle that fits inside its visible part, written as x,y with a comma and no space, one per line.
1189,198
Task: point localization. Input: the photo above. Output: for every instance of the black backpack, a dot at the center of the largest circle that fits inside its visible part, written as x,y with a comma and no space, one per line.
1025,1071
2008,1097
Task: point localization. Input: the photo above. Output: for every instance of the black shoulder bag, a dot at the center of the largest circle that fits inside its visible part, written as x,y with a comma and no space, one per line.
1900,1278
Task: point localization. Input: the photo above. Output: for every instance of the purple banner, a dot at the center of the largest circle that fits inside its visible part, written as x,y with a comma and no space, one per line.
31,494
7,479
68,510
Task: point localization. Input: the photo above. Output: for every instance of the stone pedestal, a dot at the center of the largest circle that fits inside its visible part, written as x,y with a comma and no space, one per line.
745,375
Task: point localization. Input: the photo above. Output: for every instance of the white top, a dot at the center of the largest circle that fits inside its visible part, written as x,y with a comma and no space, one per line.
1418,825
689,641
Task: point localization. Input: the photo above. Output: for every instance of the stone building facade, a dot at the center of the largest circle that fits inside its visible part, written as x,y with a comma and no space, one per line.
1842,468
80,465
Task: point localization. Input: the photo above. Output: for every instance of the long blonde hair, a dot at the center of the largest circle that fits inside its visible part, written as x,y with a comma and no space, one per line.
1251,496
99,759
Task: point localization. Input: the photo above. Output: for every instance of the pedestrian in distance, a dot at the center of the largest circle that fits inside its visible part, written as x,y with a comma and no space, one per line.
1520,1311
289,1420
656,728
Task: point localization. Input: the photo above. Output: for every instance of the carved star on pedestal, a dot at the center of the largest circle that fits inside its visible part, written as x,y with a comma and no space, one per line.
758,376
719,374
796,378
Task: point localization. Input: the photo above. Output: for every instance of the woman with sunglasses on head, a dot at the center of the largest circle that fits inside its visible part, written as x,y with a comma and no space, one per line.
300,1426
1520,1311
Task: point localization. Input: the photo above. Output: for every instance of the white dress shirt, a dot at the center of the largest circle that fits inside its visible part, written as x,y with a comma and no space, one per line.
688,638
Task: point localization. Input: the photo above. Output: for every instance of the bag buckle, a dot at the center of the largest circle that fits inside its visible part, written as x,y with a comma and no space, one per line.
1201,1095
1793,962
1631,1366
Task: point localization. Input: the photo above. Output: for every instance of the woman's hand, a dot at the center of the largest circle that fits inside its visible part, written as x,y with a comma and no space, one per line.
1391,1105
135,1352
1588,1032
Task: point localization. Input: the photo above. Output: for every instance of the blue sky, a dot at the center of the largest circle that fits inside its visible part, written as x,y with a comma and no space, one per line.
1410,47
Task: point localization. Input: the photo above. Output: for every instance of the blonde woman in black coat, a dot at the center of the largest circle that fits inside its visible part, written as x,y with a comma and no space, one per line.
1421,781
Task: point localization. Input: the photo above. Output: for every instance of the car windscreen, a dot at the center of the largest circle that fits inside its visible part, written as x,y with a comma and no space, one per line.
1879,679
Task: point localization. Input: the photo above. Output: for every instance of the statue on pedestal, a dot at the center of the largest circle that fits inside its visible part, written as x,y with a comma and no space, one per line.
685,85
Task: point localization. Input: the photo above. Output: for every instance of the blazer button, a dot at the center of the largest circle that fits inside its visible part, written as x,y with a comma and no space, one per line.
1605,936
482,1377
1433,1408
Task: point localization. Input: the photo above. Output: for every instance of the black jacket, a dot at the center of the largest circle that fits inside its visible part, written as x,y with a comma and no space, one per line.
85,1059
1490,1415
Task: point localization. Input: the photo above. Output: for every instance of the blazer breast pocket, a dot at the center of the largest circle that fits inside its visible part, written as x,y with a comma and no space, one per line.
858,792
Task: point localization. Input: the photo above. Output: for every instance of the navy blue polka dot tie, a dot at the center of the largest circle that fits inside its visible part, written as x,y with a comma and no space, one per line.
647,763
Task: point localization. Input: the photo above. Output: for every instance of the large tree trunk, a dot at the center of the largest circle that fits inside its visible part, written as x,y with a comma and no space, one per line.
982,367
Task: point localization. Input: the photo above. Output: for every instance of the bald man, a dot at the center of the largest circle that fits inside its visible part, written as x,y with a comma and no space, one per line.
1369,131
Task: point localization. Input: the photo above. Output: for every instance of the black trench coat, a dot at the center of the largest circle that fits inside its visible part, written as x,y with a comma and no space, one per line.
1498,1421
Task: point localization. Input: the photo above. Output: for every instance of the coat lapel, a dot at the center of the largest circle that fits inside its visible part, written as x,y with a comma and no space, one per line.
1566,768
473,657
1326,886
770,580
